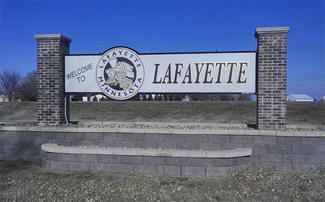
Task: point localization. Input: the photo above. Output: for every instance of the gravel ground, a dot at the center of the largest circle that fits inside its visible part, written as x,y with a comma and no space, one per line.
20,181
155,125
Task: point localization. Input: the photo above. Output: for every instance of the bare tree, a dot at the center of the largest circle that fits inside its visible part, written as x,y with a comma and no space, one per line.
27,90
9,82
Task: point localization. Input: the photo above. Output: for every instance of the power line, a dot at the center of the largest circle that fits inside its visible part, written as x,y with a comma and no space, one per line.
140,42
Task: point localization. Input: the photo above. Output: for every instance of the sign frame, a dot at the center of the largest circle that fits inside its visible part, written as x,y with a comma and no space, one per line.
166,53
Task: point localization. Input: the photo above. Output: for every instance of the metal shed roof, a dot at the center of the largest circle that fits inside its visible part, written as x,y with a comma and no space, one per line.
300,96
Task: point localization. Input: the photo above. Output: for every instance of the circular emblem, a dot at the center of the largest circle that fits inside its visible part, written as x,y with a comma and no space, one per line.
120,73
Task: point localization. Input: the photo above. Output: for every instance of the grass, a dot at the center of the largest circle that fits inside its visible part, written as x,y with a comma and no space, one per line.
21,181
312,113
163,111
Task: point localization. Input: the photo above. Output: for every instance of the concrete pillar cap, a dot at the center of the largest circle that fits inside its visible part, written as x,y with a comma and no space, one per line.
52,36
271,30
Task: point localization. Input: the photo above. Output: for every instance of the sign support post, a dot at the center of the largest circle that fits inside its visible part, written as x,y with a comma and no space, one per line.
51,49
271,77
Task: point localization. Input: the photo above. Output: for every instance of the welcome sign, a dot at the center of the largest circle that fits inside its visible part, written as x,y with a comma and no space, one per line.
121,73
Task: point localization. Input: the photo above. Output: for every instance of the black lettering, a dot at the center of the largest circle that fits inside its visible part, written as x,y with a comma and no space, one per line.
208,73
68,76
231,69
83,78
90,66
100,79
168,75
131,90
242,72
219,71
188,74
178,71
104,61
198,71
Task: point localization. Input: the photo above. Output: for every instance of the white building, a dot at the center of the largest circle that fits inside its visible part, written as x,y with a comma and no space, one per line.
3,98
299,98
98,97
187,98
85,99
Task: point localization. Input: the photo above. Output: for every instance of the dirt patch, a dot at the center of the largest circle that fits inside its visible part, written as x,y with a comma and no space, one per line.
31,182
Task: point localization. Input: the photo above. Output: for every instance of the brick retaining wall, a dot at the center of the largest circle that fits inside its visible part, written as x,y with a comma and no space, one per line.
287,152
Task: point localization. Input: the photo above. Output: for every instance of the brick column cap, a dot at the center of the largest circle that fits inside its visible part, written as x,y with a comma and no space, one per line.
52,36
271,30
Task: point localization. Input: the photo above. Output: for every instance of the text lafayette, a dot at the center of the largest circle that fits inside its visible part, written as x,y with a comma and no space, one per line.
234,72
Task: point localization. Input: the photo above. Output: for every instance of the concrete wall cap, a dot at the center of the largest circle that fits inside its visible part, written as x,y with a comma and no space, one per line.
51,36
233,153
263,30
239,132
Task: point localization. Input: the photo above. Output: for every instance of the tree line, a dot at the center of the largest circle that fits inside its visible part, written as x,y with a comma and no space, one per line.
173,97
194,97
17,87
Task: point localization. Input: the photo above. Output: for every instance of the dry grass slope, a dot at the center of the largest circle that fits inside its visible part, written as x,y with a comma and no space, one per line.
208,112
31,182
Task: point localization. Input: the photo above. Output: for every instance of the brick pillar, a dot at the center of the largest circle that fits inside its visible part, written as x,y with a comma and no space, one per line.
50,70
271,77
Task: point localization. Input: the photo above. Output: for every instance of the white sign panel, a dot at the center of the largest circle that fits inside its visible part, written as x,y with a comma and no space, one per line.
120,73
80,73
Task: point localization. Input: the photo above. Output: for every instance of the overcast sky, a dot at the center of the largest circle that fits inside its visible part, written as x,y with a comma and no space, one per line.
168,26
